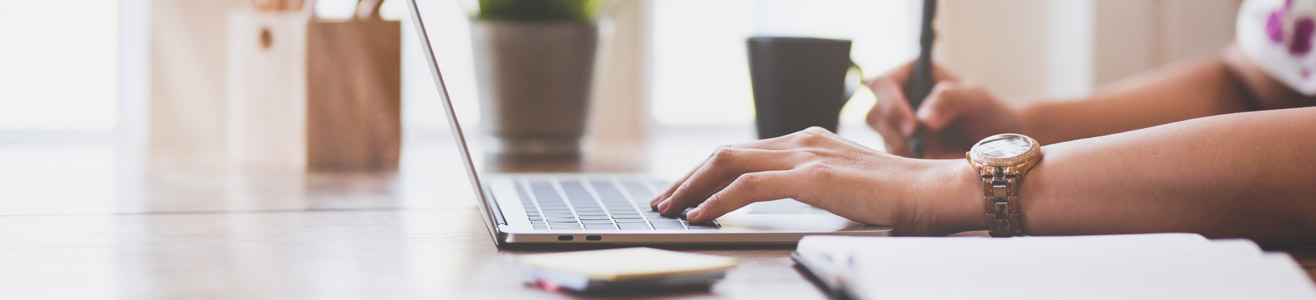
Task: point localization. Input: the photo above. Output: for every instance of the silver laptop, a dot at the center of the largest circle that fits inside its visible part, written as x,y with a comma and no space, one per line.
584,208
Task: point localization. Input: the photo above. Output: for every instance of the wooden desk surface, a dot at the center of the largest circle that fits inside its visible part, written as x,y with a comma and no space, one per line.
87,220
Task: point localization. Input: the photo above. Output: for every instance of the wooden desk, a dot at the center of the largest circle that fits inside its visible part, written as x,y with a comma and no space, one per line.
86,221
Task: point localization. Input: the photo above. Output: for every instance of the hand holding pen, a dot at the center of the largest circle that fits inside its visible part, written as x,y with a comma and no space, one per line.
951,114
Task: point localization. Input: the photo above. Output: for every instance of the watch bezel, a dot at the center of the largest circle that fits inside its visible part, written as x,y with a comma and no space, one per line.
1034,150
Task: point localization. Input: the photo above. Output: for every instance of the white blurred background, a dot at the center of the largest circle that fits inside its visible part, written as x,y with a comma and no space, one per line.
152,70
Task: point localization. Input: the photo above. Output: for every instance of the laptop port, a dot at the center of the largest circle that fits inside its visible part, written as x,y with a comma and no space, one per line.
593,238
565,237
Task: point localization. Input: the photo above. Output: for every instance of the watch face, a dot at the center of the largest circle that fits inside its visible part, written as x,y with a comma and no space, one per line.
1004,146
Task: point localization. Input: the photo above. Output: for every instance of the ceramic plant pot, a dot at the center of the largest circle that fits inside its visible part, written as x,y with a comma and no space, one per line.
534,80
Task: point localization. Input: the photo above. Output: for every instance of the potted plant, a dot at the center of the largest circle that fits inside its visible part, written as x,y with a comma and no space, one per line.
534,62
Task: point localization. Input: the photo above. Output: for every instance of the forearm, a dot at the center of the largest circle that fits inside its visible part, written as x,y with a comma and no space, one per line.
1250,175
1192,89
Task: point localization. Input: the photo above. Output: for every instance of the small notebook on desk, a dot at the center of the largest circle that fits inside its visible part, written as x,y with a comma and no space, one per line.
624,270
1143,266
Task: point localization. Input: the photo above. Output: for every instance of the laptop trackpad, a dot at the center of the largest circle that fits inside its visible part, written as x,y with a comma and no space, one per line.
785,215
783,206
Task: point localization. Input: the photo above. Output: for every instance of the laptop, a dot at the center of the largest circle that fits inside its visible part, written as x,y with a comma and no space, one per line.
523,209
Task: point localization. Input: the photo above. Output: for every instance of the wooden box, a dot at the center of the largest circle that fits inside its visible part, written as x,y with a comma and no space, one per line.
313,93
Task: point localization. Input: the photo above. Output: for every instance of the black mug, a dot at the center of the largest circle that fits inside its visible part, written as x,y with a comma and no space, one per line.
798,82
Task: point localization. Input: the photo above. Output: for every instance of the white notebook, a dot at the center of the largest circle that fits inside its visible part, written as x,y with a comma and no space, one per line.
1144,266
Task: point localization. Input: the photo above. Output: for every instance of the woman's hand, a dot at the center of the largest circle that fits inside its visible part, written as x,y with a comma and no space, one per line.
819,168
955,114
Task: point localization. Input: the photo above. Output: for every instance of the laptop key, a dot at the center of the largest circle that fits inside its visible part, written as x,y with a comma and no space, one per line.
630,221
634,226
539,225
608,226
662,218
594,217
701,226
545,192
637,190
667,225
604,221
606,191
625,210
576,192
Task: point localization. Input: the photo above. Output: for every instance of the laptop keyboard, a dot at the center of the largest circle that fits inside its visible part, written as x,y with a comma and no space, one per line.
595,204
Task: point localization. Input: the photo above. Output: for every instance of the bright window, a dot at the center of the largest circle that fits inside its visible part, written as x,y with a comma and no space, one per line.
700,69
58,65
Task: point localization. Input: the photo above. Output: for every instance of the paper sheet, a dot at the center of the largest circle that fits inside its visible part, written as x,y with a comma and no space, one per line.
1146,266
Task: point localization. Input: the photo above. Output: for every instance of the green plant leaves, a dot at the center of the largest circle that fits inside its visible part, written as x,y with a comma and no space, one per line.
539,10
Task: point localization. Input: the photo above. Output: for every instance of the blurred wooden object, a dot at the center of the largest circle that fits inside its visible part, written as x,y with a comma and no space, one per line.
277,5
314,93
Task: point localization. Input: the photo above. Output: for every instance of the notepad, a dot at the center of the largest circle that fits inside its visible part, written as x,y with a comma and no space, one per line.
1143,266
624,269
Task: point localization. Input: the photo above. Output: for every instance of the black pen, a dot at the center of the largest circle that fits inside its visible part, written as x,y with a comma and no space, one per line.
922,80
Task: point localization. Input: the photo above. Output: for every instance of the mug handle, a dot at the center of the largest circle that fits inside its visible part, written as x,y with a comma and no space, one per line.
851,88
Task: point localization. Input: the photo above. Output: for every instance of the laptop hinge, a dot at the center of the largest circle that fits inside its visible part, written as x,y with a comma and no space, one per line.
496,210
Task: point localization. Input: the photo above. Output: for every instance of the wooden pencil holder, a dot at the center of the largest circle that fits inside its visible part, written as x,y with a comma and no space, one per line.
314,93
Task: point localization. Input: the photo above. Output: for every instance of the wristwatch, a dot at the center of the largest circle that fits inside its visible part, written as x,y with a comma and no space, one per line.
1002,161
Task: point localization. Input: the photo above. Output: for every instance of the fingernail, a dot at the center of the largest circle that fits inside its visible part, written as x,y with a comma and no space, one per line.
693,215
663,205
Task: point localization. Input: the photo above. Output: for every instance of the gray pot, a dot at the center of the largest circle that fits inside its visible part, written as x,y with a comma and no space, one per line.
534,80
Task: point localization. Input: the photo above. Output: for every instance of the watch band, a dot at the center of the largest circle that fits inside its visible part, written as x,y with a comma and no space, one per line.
1002,203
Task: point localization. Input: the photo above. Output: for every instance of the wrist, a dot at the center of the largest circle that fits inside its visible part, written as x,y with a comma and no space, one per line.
955,200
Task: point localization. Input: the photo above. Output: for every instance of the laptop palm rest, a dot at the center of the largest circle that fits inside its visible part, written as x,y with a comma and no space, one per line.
785,215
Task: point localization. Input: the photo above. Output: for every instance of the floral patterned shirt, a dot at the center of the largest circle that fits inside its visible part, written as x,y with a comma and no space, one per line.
1277,35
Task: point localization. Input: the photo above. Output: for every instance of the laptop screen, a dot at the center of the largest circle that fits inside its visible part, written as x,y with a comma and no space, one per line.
444,38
